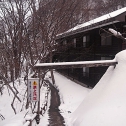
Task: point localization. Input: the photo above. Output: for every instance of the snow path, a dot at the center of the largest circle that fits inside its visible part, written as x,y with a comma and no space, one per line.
55,118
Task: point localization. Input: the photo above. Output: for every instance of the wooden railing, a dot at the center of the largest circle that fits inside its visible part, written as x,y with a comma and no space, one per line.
80,64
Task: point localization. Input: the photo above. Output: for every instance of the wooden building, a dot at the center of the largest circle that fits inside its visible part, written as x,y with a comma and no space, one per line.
91,41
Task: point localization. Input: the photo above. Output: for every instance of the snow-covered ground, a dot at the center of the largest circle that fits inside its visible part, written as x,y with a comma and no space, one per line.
19,119
104,105
71,95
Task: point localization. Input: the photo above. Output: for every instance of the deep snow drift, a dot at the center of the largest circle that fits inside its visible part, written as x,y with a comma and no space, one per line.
106,103
71,95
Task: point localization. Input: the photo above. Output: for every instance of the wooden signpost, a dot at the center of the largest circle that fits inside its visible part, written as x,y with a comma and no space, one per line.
33,89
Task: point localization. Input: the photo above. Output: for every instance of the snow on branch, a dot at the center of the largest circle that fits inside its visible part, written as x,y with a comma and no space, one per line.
117,34
114,32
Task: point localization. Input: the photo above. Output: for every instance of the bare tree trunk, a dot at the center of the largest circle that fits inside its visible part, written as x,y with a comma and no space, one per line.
9,87
2,117
52,75
12,105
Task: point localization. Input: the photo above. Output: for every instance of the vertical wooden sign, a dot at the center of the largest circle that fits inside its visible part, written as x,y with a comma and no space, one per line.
33,89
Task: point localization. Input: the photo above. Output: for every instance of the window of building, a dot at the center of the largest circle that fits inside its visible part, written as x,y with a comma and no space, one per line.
85,40
74,42
86,71
106,39
64,42
106,58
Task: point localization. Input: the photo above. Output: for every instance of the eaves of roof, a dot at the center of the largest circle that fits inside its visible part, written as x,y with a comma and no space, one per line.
84,29
104,20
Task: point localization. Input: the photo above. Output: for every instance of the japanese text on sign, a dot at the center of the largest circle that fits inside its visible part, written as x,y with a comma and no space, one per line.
33,89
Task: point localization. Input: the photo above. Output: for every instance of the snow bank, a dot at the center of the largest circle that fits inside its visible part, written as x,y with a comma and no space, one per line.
7,112
106,103
16,120
71,95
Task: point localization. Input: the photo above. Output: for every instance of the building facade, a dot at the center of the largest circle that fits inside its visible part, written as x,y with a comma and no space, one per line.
91,41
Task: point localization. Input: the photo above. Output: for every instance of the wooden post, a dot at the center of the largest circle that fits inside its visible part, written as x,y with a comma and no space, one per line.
30,123
38,113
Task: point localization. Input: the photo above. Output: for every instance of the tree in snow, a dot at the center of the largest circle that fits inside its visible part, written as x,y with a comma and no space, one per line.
27,35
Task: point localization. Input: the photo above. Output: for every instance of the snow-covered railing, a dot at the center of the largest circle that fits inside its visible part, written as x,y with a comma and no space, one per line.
29,119
79,64
27,123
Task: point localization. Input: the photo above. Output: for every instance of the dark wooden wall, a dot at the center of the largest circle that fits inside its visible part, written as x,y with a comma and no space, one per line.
94,51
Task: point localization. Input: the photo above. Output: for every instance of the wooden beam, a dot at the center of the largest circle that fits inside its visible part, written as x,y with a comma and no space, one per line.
80,64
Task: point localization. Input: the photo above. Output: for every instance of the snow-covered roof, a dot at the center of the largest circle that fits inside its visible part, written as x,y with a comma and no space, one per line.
106,17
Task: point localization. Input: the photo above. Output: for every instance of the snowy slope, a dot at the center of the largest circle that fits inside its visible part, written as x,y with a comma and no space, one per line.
6,110
106,103
71,95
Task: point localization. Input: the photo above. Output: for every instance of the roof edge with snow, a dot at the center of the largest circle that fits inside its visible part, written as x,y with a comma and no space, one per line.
104,20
